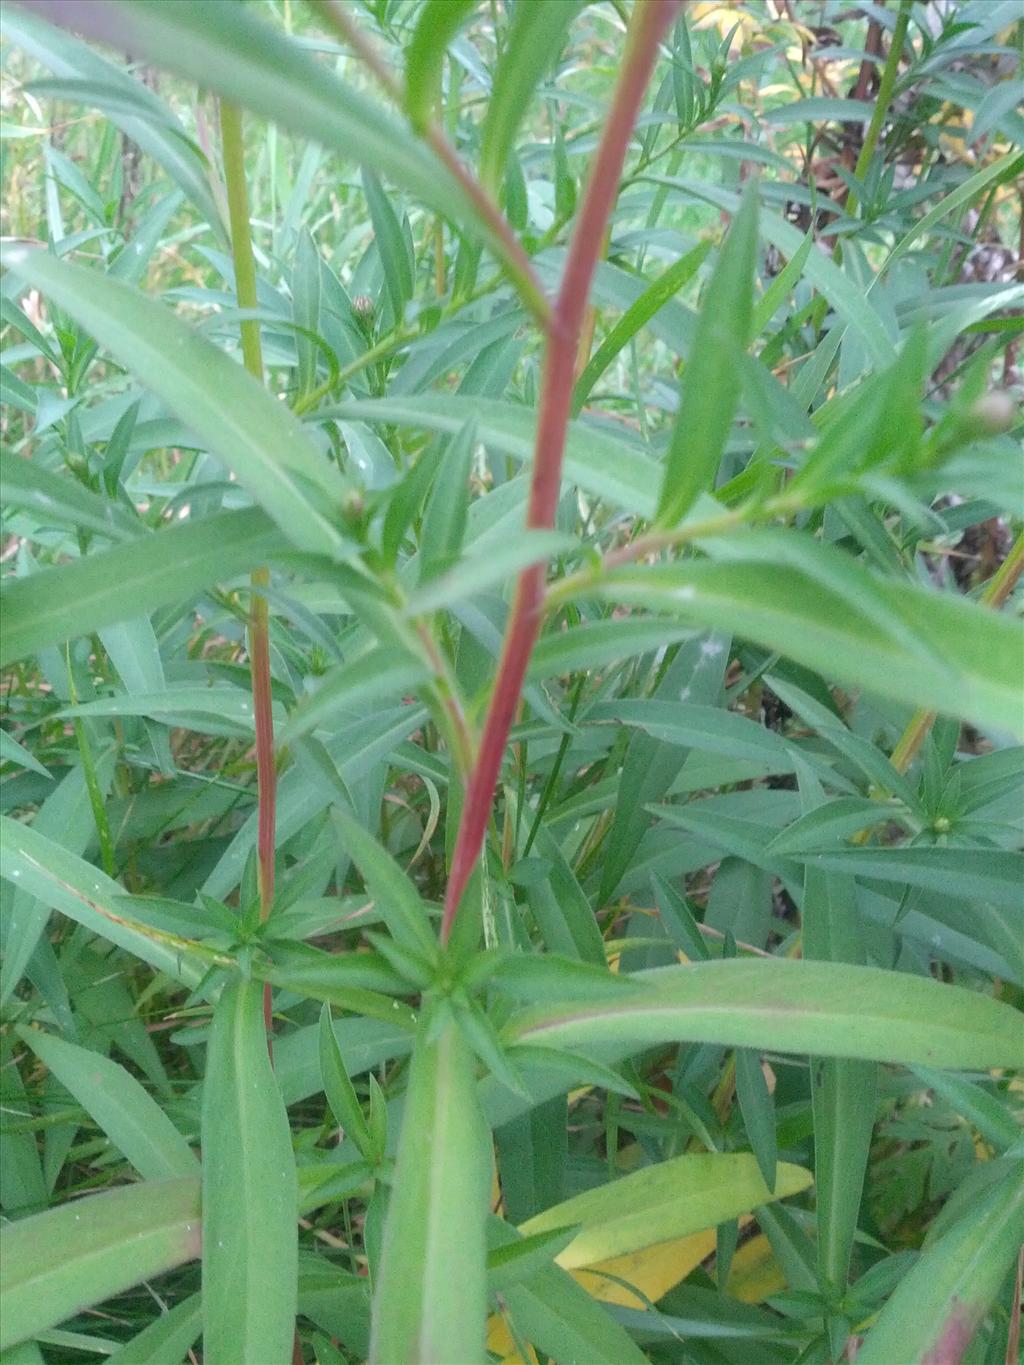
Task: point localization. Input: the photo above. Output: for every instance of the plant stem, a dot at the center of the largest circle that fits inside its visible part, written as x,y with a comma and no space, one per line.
233,153
336,13
650,19
994,594
882,101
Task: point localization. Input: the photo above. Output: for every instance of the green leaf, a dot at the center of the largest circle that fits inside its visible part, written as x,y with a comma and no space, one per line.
650,766
532,46
536,977
831,823
69,884
767,305
518,1261
941,1301
214,710
13,752
829,1009
58,501
232,413
436,25
654,297
565,650
431,1296
167,1340
662,1202
306,309
484,567
994,1120
144,117
758,1110
559,1317
341,1096
246,61
58,1263
444,521
788,611
131,1118
390,240
382,672
976,874
598,463
711,382
836,285
819,109
250,1246
132,580
705,728
394,894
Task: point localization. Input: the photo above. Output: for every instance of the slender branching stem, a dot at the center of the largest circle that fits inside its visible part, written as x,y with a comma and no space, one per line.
649,22
259,625
446,689
338,14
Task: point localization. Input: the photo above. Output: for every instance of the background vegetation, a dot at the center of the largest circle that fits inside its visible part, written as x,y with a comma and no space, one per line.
646,987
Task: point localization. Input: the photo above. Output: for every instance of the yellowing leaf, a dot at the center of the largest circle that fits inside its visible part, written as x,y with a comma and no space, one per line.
652,1271
659,1203
754,1273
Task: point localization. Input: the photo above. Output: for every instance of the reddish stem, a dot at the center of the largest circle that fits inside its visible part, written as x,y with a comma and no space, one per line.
651,19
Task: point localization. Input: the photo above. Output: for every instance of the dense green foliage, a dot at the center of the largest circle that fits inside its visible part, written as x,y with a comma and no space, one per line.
461,903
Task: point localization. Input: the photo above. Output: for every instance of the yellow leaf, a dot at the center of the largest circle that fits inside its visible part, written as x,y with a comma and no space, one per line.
653,1271
754,1273
660,1203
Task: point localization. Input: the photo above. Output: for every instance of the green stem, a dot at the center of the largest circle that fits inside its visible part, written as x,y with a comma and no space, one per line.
882,102
233,152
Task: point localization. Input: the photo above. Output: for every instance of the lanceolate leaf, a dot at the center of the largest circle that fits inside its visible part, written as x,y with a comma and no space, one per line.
430,1301
711,380
233,415
59,1262
395,895
665,287
599,463
786,610
436,26
830,1009
69,884
662,1202
933,1315
132,580
250,1246
167,1340
130,1117
533,44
